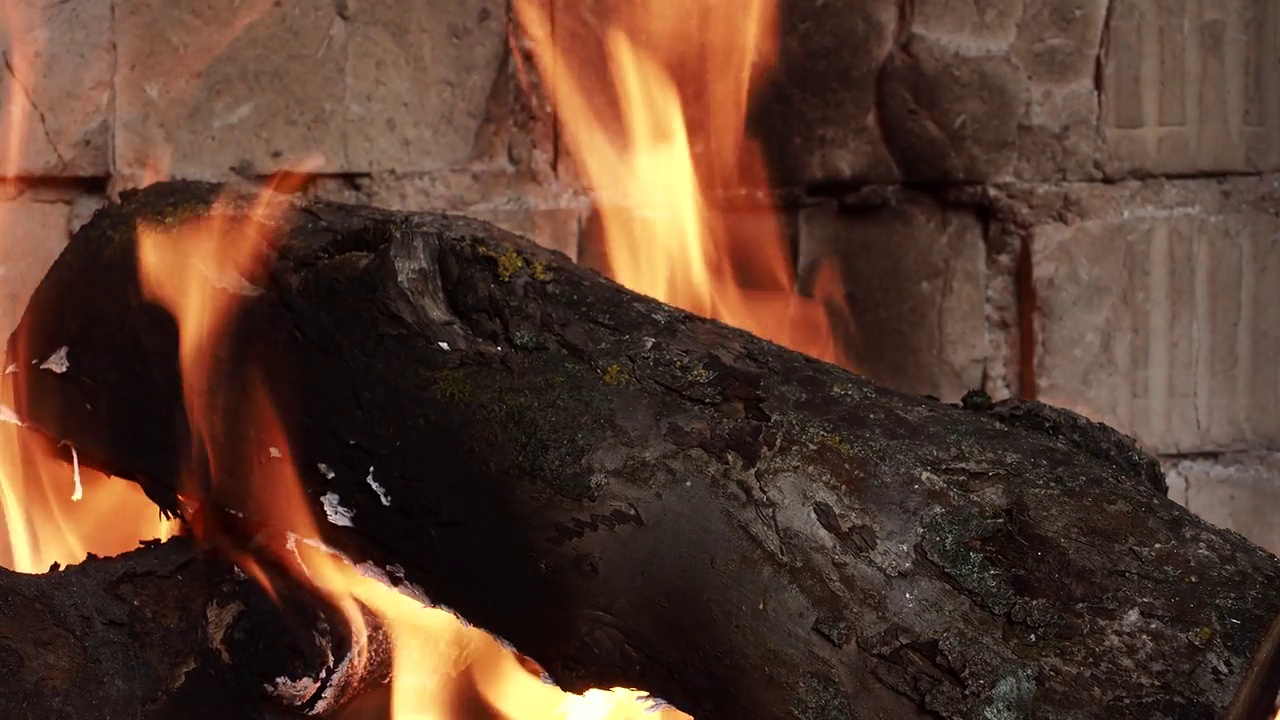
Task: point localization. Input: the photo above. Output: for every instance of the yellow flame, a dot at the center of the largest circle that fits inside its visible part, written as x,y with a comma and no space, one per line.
184,268
51,510
678,71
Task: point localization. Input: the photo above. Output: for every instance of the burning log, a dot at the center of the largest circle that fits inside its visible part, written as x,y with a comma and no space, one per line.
158,633
636,496
167,631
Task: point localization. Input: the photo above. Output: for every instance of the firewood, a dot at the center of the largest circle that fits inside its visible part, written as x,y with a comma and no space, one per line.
158,633
636,496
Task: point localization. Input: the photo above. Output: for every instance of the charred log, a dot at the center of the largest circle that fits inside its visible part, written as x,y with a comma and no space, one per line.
155,634
168,632
636,496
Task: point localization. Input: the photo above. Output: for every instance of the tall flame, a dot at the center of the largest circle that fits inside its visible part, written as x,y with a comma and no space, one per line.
676,72
51,510
198,271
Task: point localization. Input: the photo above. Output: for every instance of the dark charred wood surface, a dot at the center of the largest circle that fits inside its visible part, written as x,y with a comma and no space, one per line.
633,495
1256,695
155,634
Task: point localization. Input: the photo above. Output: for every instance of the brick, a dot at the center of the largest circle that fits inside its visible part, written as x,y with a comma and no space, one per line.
1192,87
1003,371
369,86
988,21
57,75
950,114
82,210
36,233
981,91
1157,311
914,275
1239,492
1057,47
545,212
967,91
418,79
208,85
817,117
950,92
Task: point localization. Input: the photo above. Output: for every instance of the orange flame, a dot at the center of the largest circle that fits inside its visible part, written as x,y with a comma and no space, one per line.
193,269
51,511
678,71
55,512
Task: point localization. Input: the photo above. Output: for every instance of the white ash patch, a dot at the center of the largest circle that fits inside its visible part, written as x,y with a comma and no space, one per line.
373,572
218,619
326,471
13,368
336,690
407,588
399,584
335,512
57,362
377,487
326,674
294,692
414,591
8,415
505,644
275,452
78,492
319,545
231,282
656,704
442,345
291,544
456,616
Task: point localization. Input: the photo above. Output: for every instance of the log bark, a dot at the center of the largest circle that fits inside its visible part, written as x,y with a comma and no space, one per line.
171,632
155,634
636,496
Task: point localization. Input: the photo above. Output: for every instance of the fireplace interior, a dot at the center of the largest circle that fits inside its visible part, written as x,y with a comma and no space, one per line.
946,382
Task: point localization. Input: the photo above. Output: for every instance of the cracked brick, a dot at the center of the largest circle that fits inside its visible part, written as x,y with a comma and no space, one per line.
42,231
1156,310
1192,88
57,69
1239,491
358,87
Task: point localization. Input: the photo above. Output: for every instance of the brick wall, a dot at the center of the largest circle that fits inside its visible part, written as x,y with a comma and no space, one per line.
1071,199
1094,217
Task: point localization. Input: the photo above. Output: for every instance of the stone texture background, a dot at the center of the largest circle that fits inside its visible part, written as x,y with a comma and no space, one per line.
1075,200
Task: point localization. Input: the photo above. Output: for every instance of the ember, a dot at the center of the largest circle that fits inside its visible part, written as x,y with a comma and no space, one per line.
670,69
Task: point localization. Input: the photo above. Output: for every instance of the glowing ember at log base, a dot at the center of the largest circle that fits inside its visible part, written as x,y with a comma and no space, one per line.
636,496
